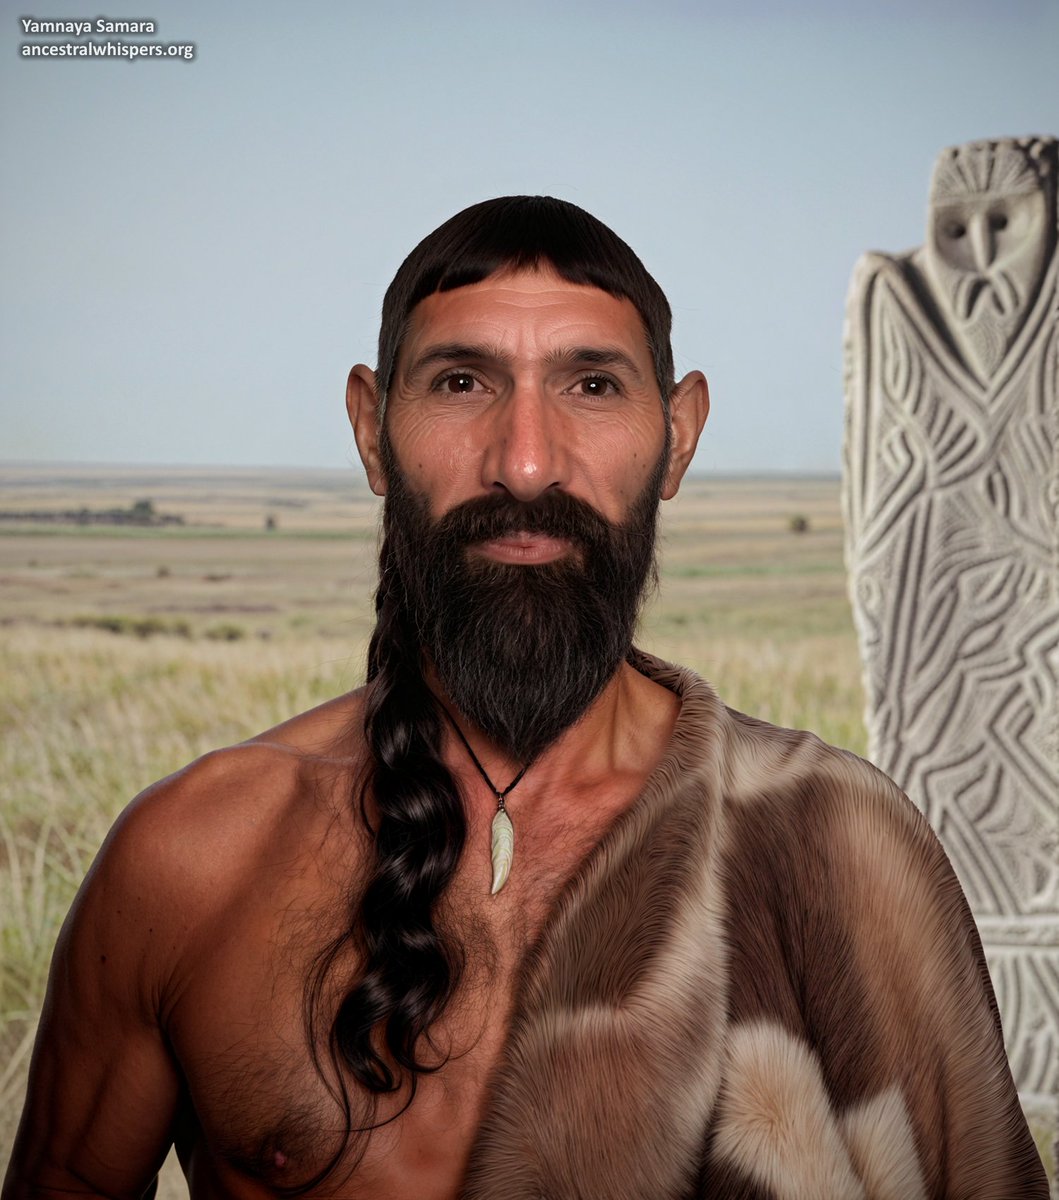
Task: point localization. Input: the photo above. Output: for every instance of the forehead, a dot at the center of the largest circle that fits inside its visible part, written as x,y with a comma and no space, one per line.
527,311
1024,198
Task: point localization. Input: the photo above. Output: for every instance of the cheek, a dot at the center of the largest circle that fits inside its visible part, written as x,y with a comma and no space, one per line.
1024,255
436,462
953,252
619,462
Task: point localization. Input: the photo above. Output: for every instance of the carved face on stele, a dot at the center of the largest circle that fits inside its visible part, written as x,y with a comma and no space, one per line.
990,237
523,383
990,249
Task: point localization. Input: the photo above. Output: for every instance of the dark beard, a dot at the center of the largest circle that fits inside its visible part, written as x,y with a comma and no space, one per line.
522,651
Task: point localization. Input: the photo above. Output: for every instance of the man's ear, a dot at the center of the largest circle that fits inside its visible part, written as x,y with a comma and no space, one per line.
689,406
362,405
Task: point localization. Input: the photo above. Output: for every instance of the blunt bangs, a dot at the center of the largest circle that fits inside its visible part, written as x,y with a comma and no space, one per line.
524,233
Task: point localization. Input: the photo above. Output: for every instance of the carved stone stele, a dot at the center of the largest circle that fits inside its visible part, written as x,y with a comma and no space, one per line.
951,498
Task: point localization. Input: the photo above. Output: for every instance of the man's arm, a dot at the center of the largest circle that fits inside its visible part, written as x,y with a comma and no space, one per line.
103,1086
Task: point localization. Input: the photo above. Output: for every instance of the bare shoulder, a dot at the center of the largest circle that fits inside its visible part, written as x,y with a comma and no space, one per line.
189,841
189,863
332,729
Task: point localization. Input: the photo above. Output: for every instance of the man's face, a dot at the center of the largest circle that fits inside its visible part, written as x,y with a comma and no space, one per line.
523,384
524,457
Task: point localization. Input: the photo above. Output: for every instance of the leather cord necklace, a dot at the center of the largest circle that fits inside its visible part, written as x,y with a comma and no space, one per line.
503,839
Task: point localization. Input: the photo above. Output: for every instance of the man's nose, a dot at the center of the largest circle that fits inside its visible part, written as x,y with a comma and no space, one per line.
983,240
525,455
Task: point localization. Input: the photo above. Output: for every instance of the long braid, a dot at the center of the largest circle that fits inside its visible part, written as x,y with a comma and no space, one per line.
408,972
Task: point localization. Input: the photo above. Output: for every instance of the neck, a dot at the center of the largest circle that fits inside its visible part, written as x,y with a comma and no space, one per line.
626,726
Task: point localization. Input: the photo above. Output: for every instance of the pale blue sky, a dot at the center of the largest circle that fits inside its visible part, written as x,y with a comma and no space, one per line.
193,254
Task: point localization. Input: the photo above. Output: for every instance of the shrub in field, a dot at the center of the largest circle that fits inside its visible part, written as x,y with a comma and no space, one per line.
142,627
226,632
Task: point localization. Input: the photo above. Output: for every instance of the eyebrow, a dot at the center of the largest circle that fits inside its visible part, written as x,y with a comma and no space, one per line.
597,356
590,356
456,352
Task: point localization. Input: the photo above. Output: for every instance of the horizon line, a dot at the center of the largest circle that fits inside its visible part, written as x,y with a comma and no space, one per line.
698,473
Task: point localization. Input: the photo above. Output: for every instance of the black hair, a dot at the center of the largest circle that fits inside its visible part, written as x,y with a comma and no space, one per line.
524,233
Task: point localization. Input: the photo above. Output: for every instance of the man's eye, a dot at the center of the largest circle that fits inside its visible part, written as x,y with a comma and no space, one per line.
596,386
457,382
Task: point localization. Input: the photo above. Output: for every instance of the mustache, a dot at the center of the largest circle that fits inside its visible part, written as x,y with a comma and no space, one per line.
996,289
553,513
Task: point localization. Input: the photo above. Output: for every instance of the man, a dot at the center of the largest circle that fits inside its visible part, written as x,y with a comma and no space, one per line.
532,914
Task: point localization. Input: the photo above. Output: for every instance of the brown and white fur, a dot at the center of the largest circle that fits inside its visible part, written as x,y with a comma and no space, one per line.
764,982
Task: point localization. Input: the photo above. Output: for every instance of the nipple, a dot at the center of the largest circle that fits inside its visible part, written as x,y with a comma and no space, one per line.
279,1159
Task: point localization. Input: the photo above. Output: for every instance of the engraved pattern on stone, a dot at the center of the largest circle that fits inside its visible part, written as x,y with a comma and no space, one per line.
951,497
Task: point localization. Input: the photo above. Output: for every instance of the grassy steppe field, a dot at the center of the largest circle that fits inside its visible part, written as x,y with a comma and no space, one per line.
127,651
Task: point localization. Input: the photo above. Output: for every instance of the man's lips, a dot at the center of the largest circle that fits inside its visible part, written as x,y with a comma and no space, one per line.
523,547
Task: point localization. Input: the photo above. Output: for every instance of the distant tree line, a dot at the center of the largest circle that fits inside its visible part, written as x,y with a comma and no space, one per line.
142,512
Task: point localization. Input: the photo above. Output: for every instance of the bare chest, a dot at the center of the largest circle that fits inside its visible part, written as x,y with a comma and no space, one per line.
266,1116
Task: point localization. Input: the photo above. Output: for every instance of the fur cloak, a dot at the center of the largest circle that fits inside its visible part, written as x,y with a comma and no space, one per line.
764,982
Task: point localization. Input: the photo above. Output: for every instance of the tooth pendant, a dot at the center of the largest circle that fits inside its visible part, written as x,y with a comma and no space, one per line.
503,848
